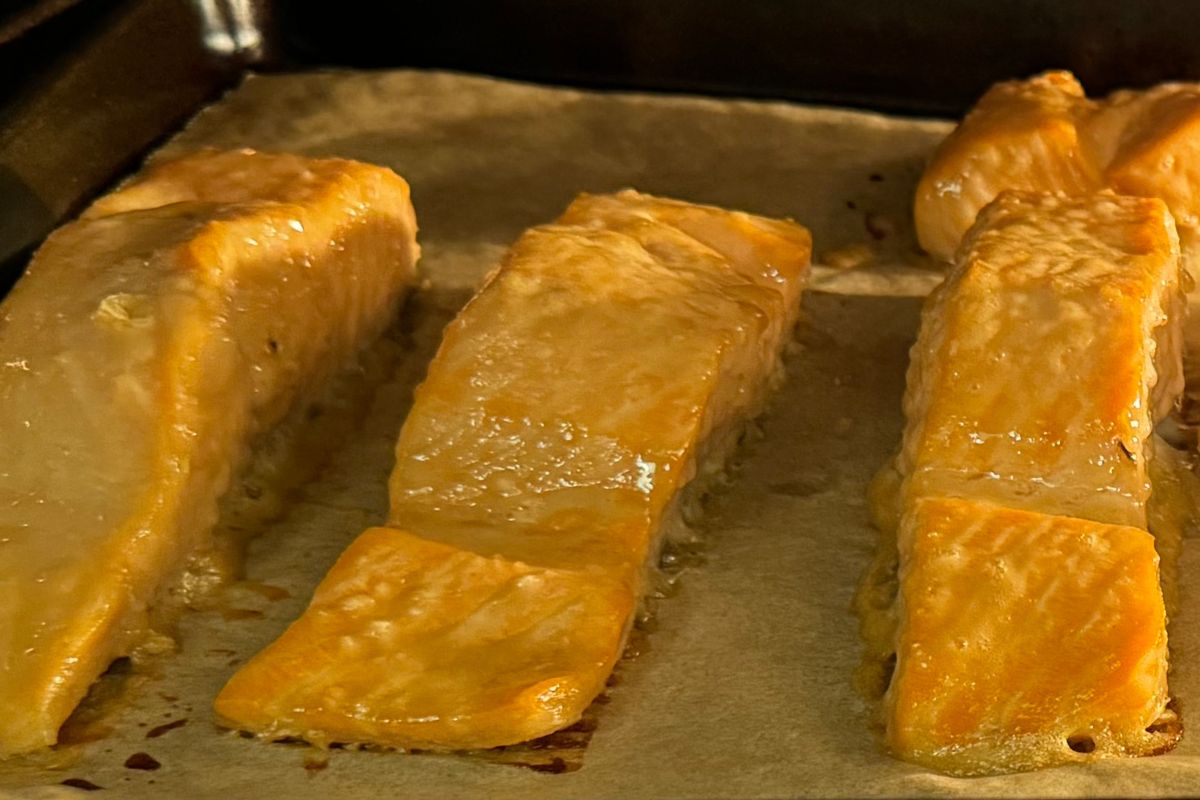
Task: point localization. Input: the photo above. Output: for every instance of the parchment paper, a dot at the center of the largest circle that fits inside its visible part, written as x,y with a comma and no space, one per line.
744,690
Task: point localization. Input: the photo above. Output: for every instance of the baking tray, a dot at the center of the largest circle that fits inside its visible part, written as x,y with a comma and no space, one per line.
743,688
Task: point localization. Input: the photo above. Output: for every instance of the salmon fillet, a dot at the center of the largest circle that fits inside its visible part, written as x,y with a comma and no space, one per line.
1044,134
1021,135
1026,640
145,347
1047,357
606,364
1042,366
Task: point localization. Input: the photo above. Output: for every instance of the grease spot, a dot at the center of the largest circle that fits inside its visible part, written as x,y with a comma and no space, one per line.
158,731
80,783
142,761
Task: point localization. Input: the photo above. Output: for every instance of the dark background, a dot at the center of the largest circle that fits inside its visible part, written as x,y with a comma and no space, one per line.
922,56
88,86
934,56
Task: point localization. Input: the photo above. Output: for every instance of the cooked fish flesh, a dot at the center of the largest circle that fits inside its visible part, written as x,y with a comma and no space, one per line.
1021,135
1047,357
145,347
607,363
1022,490
1026,640
1044,134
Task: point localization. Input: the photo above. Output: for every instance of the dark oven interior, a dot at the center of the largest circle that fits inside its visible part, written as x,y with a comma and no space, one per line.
90,85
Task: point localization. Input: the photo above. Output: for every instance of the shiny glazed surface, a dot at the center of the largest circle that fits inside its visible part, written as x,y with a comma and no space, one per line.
569,404
1016,583
1026,640
146,345
1044,134
1047,357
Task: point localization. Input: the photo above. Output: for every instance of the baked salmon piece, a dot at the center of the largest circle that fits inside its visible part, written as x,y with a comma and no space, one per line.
1022,135
144,349
1044,134
1046,358
1026,640
608,362
1149,145
1029,627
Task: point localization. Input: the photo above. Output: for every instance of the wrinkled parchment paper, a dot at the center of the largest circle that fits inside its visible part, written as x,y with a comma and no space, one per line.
744,690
